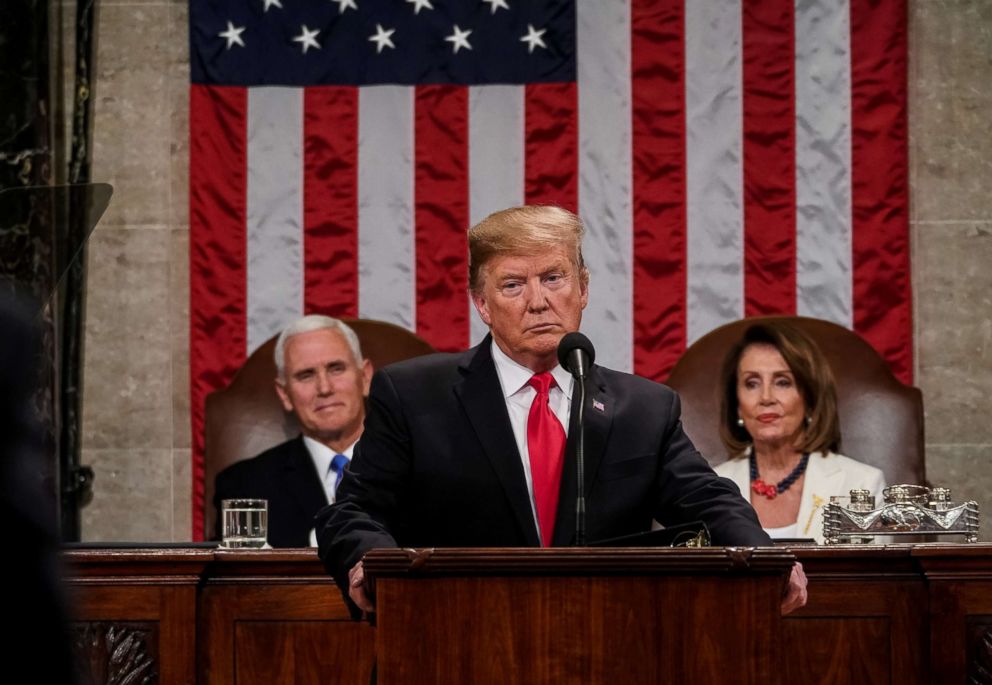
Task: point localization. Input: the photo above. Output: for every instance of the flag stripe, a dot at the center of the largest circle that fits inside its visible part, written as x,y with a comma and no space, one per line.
441,142
769,158
882,292
330,195
496,160
658,153
605,201
823,161
217,210
551,167
714,212
387,290
275,211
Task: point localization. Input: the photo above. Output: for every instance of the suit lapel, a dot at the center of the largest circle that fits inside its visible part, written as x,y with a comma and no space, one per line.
301,480
482,398
823,479
598,415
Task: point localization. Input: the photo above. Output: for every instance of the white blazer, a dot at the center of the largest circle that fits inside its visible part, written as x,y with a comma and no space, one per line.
826,475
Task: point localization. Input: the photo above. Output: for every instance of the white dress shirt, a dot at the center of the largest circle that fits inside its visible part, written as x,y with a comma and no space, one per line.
519,395
322,455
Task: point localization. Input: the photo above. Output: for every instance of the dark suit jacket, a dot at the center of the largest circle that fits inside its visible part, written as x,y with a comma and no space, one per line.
437,466
36,605
286,477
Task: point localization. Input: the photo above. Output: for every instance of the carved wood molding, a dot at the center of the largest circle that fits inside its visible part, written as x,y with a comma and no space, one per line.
979,650
116,653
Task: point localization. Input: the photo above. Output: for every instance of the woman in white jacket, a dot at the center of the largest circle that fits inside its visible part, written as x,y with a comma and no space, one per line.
779,422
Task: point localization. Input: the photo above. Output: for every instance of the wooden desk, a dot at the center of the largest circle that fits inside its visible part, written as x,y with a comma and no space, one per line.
907,614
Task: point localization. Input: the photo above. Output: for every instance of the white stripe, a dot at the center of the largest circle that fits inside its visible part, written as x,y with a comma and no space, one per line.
823,161
274,211
386,255
495,160
605,176
714,166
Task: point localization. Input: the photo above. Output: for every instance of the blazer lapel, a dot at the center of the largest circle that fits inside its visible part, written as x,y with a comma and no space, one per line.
598,415
823,479
482,398
301,480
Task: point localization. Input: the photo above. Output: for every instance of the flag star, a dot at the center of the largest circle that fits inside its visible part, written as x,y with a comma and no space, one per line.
496,4
459,39
382,38
345,4
271,3
533,38
233,35
420,4
307,38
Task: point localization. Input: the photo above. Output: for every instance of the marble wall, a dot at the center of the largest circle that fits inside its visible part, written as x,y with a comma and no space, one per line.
136,431
136,427
951,219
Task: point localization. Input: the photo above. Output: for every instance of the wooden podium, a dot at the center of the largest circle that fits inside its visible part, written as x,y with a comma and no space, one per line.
579,615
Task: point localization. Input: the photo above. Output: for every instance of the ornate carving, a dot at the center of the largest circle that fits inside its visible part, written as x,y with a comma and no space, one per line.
979,650
117,653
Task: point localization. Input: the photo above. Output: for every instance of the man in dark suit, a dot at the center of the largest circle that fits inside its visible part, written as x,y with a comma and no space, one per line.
323,379
36,606
470,449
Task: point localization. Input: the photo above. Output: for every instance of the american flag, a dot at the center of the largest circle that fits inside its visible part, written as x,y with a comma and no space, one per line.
729,157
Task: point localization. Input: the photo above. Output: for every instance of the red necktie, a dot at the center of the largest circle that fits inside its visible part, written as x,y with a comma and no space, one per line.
546,445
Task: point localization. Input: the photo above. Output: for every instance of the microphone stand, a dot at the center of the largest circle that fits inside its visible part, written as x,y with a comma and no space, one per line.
580,462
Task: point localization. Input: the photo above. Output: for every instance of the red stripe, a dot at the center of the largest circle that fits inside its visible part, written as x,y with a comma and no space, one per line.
769,157
441,215
217,182
551,142
882,290
659,158
330,201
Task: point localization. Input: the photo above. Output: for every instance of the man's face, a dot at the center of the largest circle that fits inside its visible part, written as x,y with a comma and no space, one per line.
529,302
325,387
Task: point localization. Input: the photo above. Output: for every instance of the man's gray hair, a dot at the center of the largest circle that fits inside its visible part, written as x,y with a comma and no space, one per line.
308,324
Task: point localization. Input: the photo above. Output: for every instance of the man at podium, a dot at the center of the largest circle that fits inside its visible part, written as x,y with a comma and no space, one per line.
476,449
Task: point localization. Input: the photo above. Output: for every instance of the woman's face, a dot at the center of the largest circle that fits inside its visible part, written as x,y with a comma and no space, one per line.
768,399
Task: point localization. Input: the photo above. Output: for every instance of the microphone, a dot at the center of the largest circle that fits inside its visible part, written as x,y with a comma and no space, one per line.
576,354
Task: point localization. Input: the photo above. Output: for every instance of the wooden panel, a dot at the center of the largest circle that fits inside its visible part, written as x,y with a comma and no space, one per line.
960,615
281,632
839,652
135,630
584,630
303,652
899,614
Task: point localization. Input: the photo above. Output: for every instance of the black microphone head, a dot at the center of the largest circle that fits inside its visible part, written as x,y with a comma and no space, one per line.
571,343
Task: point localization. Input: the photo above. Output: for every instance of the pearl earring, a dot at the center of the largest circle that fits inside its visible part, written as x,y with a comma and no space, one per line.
740,422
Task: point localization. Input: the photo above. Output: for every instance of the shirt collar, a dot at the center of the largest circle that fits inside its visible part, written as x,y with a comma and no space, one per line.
322,454
513,377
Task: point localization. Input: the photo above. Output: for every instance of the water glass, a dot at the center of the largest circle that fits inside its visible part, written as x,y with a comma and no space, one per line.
245,523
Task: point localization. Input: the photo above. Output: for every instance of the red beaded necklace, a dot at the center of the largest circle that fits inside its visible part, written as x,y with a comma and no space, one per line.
760,487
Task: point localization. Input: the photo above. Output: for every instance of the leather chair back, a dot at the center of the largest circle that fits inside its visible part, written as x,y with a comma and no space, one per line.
246,417
881,419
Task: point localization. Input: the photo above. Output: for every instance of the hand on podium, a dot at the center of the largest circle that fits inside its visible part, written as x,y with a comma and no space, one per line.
358,591
795,591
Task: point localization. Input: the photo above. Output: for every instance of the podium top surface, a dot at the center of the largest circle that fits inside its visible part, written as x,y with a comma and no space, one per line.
558,561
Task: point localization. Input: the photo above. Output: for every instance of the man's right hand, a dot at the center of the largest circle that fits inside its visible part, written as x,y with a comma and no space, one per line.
357,589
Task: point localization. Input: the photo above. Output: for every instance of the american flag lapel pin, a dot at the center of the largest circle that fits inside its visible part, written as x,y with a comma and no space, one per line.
599,406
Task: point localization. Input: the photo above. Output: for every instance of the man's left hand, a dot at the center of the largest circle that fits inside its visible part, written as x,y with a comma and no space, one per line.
795,592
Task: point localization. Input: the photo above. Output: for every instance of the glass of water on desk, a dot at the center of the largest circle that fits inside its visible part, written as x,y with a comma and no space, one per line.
245,523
